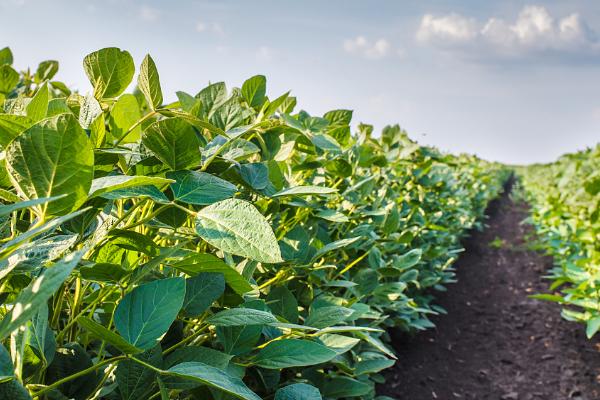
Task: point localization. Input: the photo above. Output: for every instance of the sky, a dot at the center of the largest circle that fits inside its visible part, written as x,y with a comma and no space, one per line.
510,81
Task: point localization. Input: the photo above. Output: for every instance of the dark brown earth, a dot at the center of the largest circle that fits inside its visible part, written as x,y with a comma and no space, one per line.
495,342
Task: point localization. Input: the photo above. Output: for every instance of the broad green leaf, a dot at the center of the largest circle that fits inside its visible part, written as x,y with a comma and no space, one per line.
123,116
51,158
304,191
144,315
324,317
339,343
13,390
344,387
592,327
8,79
201,354
110,71
111,183
242,317
7,371
135,380
174,142
46,70
40,337
200,188
69,360
283,303
203,262
136,192
288,353
338,244
254,90
109,336
211,97
149,83
238,340
38,106
256,175
236,227
229,114
38,292
201,291
409,259
6,56
372,366
213,377
89,111
298,391
102,272
12,126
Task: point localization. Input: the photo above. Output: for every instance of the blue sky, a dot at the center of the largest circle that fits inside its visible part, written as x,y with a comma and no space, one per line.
508,80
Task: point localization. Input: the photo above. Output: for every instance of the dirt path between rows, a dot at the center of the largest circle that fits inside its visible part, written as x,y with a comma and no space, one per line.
495,342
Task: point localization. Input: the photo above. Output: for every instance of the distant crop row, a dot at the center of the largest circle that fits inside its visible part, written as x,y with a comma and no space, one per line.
565,199
220,246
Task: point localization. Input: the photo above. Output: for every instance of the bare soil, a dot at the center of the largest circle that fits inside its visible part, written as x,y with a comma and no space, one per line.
495,342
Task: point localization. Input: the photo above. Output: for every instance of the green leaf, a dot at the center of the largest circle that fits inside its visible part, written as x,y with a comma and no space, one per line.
174,142
213,377
135,380
200,188
111,183
136,192
109,336
144,315
288,353
110,71
345,387
409,259
8,79
304,191
256,175
372,366
34,296
338,244
40,337
283,303
12,126
324,317
9,208
38,106
123,116
51,158
13,390
298,391
242,317
211,97
204,262
254,90
236,227
7,371
46,70
201,354
6,56
149,83
592,326
89,111
201,291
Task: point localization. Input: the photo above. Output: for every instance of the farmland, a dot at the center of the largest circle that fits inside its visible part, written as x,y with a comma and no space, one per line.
228,244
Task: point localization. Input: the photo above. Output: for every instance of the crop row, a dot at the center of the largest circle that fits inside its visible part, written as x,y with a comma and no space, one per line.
219,246
565,211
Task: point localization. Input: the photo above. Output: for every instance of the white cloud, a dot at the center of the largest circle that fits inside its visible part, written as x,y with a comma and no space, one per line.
210,27
452,27
149,14
534,31
364,47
